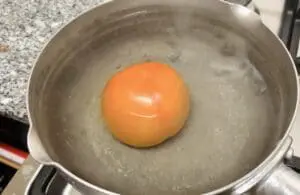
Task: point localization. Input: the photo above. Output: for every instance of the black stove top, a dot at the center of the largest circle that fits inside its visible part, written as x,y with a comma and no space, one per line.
290,28
49,182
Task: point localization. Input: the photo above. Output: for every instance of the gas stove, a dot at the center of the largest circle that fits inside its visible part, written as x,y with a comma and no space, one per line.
281,16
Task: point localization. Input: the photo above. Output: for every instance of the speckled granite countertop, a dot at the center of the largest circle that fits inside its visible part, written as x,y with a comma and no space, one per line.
25,26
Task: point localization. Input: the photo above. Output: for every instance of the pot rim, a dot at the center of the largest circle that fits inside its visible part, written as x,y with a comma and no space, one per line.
239,182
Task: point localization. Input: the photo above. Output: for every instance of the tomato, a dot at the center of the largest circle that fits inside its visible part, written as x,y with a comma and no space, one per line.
145,104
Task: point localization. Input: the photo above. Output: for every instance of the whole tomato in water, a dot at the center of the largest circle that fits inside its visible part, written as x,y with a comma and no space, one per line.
145,104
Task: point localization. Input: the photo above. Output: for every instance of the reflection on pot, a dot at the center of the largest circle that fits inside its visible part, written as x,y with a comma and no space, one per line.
247,3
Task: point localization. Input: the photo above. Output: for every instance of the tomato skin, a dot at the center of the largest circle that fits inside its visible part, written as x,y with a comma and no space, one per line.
145,104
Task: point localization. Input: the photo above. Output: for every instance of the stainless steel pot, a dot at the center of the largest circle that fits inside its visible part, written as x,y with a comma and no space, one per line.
243,86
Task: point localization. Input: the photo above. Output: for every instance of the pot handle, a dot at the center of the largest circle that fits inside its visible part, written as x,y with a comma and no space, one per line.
283,180
36,148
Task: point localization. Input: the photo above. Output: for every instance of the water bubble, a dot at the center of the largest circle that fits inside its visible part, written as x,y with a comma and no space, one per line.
228,49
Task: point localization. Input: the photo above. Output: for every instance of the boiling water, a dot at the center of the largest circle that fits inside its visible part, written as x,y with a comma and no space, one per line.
223,139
